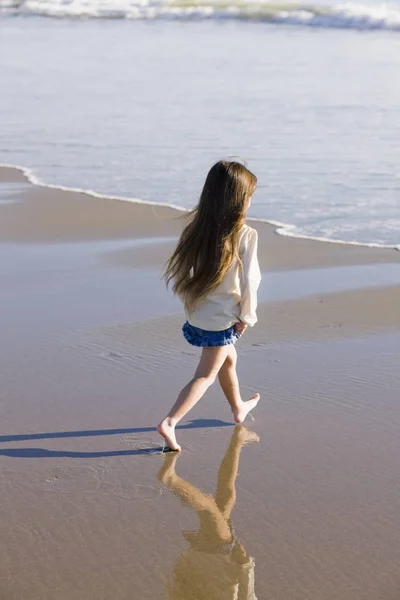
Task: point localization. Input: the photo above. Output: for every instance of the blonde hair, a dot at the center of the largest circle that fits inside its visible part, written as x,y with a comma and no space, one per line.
209,243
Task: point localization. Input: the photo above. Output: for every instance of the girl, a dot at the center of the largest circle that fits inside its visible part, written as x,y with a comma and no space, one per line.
215,272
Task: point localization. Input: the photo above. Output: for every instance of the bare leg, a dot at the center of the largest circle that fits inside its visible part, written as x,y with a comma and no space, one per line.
210,363
230,384
209,513
225,496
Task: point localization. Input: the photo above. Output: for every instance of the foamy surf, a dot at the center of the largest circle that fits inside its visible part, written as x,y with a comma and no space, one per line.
293,231
34,180
284,229
338,16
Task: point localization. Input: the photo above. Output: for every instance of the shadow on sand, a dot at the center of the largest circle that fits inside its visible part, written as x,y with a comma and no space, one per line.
43,453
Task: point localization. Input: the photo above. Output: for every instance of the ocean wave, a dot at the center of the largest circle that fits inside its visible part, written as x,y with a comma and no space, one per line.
339,16
284,229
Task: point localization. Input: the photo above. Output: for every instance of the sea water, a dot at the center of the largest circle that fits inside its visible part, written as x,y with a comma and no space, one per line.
138,99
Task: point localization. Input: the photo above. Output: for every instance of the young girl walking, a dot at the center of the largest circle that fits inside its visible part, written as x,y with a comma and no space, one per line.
215,272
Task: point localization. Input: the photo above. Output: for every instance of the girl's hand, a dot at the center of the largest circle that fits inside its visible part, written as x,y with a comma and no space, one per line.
240,327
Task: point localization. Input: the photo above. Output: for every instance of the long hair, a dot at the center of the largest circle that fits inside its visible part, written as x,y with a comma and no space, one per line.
209,243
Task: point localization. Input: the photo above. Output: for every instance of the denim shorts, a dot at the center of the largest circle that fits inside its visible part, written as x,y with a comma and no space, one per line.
205,339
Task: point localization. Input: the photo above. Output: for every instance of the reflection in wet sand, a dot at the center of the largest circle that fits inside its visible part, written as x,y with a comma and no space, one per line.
216,566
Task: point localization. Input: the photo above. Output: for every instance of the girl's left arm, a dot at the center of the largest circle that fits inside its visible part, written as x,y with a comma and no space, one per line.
251,278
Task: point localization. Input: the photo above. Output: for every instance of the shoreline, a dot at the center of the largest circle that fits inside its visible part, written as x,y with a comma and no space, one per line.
13,173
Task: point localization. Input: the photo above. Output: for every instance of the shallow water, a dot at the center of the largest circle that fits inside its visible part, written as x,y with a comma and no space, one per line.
47,289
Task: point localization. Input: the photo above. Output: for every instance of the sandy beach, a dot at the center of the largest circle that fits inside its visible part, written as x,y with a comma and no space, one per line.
91,356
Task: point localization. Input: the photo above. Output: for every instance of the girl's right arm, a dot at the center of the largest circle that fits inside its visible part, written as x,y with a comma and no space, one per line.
251,277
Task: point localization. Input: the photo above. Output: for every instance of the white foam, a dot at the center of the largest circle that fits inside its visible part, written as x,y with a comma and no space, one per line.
283,229
342,15
34,180
6,4
292,231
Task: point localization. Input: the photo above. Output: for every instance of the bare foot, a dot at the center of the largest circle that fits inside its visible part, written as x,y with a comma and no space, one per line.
240,414
167,471
167,430
245,436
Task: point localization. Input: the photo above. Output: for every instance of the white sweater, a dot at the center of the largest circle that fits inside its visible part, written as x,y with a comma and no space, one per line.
235,299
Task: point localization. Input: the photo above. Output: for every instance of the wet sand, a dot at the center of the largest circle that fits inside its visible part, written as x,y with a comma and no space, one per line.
91,356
